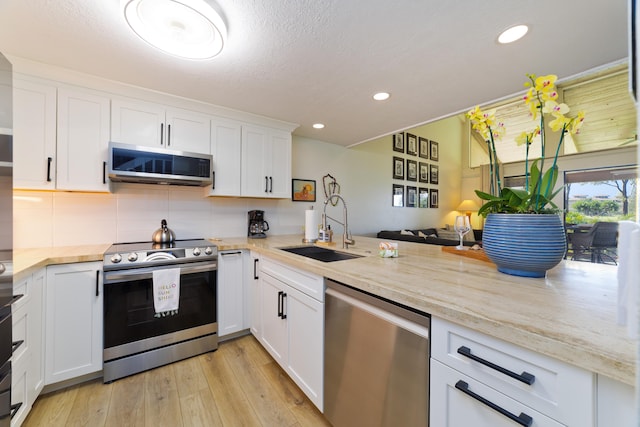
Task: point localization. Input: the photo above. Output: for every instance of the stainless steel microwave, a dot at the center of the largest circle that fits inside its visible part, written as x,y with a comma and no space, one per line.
150,165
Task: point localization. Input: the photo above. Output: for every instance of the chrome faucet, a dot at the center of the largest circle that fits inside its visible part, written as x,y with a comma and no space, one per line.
346,235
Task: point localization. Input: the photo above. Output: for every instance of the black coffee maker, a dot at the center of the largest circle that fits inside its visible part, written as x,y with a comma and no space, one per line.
257,225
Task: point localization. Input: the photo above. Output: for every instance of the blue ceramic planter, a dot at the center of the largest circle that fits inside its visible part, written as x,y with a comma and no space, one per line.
524,244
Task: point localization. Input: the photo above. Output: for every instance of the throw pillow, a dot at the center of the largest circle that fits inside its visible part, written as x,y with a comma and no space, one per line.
407,233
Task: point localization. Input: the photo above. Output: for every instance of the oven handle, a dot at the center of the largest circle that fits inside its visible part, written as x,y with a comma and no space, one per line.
147,272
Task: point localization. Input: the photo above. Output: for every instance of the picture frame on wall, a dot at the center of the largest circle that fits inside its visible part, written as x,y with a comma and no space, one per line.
433,151
398,142
412,170
412,197
398,168
423,197
433,199
412,144
423,148
303,190
433,174
397,200
423,172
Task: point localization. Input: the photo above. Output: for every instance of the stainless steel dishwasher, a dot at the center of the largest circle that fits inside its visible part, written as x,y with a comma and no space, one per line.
376,361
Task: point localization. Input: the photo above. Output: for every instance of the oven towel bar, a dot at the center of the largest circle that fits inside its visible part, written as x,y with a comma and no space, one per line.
166,291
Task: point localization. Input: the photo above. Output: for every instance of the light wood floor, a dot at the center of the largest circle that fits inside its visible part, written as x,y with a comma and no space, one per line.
237,385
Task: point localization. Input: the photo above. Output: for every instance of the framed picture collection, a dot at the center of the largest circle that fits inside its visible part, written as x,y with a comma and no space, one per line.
415,163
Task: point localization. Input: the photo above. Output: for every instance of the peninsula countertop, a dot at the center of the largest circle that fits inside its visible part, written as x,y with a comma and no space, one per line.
569,315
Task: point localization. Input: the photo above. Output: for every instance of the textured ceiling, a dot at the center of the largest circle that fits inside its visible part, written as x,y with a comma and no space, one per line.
308,61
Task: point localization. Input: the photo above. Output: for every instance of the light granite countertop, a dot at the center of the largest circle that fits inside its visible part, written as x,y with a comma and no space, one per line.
569,315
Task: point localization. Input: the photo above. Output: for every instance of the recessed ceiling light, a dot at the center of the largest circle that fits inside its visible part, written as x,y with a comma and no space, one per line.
318,126
186,28
512,34
381,96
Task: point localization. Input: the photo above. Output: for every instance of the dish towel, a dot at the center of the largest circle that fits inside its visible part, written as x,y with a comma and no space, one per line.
628,274
166,291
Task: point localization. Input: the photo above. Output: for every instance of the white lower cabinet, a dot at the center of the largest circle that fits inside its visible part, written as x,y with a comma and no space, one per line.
27,361
73,313
253,279
292,324
474,377
231,294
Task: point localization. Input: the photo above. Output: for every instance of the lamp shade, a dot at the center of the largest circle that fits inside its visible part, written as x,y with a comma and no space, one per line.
467,206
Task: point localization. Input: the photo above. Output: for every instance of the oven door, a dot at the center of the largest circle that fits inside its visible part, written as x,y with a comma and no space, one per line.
130,324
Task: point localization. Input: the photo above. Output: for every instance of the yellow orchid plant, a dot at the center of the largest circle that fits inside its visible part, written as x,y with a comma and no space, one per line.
539,187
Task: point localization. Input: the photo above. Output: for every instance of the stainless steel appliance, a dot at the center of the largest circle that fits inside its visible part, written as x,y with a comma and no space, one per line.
135,338
257,225
134,163
376,361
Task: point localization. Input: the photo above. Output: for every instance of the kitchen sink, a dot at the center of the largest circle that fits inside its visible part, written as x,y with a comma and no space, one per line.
320,254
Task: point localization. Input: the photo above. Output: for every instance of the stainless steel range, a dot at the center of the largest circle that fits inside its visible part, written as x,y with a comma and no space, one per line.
136,337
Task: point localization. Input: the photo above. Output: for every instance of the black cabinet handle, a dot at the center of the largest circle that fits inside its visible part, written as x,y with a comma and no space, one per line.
15,345
270,184
284,315
524,377
104,172
213,180
15,408
255,269
161,133
280,301
168,135
97,283
49,160
522,419
266,184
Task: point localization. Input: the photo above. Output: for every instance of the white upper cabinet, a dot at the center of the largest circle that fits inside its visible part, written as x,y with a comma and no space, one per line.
154,125
266,162
83,139
34,135
226,149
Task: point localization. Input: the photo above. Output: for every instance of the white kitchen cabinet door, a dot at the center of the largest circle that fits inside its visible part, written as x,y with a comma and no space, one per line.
616,401
274,326
452,407
255,296
73,321
137,123
34,135
305,361
188,131
226,149
230,292
83,139
266,163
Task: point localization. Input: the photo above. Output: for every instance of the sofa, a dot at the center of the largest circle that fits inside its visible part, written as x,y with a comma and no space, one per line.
431,236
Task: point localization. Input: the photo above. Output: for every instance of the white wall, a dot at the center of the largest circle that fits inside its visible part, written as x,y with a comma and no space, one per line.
132,212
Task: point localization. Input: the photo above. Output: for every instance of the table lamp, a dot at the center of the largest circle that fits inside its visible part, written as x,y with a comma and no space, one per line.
467,206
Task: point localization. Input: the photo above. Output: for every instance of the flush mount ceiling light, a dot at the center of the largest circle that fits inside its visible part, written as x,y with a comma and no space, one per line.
512,34
381,96
185,28
318,126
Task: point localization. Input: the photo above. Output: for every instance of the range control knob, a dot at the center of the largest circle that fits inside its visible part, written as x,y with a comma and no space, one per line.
196,251
208,250
116,258
132,256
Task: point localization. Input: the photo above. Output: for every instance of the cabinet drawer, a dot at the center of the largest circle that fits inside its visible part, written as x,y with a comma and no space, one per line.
20,332
452,407
559,390
308,283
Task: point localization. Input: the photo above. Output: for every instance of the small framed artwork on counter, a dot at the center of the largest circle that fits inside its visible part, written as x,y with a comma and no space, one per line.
423,197
433,151
423,148
423,172
412,197
398,196
434,198
433,174
398,142
412,170
398,168
303,190
412,144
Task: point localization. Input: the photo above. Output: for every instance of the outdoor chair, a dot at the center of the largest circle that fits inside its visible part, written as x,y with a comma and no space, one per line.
599,243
